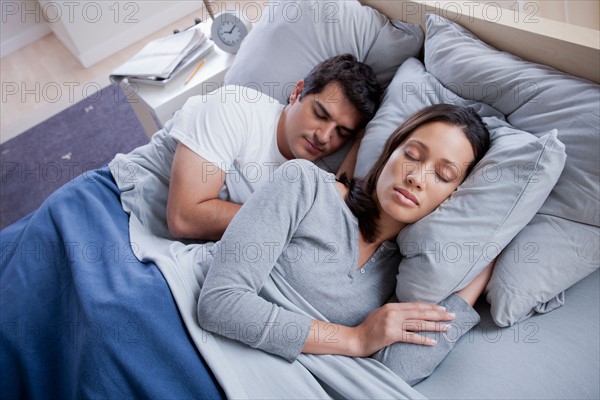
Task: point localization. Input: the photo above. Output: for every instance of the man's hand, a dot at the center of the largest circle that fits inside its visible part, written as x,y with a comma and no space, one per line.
193,209
349,163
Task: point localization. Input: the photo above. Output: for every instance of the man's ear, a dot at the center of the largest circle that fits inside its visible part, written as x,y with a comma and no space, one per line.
297,91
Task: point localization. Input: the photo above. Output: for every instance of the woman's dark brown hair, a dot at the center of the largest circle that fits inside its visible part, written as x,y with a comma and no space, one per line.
361,194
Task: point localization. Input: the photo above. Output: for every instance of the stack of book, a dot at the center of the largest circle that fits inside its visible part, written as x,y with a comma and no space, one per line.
163,59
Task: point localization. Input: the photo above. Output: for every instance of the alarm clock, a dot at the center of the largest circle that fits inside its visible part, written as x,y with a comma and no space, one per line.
228,31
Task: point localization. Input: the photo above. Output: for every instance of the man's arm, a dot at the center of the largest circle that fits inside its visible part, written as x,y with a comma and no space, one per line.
193,209
349,162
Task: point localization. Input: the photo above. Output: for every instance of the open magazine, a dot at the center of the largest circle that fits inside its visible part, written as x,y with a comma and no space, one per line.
163,59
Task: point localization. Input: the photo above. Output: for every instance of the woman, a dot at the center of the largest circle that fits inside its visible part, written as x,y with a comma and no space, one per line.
335,246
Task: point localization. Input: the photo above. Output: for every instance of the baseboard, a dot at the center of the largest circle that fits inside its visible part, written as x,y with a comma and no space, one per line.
24,38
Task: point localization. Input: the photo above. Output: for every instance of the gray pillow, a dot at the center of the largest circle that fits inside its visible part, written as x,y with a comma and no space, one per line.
549,251
294,36
445,250
535,98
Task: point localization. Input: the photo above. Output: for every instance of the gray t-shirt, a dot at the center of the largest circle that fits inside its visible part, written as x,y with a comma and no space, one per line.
300,225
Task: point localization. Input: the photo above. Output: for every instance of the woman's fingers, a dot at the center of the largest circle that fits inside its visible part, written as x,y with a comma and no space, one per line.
421,311
398,322
418,306
425,326
409,337
427,315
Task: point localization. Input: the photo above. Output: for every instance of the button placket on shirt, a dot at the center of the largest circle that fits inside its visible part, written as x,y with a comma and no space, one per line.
373,258
371,261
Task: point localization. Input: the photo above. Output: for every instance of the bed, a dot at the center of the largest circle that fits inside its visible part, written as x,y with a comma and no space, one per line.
83,317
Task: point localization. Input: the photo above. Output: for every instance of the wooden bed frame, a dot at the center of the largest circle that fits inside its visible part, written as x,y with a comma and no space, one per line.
568,48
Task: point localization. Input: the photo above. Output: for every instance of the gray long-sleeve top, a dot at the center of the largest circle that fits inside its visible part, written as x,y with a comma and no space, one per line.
299,224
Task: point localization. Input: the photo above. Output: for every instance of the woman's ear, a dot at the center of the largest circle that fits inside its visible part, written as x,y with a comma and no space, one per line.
297,91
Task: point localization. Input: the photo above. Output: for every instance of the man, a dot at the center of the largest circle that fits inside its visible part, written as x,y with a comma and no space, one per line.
231,141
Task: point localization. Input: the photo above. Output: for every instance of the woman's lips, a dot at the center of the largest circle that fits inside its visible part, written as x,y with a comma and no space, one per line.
407,197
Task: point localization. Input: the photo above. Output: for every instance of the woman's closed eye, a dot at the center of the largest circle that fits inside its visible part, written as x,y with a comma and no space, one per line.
412,157
442,178
448,173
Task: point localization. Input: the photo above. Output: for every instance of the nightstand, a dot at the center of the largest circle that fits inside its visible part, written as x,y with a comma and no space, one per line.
155,105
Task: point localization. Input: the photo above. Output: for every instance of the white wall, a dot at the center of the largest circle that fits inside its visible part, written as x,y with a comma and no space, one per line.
584,13
21,23
91,29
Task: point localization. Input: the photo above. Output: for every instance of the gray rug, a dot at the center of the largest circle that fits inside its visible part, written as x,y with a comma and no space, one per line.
85,136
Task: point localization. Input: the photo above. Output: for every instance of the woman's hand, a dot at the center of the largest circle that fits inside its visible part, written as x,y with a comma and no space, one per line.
397,322
391,323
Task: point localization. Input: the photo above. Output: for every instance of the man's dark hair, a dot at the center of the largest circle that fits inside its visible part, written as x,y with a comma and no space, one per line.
358,81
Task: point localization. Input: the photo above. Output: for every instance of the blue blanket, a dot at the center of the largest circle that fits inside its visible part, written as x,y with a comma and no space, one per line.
81,316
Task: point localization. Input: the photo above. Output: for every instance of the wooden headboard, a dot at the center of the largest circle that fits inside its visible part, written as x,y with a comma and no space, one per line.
571,49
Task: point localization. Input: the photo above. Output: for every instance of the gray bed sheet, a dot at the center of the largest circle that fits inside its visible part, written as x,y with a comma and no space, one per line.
548,356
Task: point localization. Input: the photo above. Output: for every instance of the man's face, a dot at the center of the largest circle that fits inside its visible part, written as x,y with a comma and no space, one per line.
317,125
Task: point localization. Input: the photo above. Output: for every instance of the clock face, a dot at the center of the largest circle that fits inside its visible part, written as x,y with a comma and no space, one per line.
230,33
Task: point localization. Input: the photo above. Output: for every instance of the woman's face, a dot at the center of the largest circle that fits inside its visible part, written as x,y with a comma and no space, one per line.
423,171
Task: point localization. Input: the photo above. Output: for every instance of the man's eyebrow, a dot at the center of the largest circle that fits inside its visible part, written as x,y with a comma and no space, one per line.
424,146
328,115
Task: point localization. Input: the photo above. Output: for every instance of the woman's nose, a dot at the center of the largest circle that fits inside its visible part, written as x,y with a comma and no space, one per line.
412,178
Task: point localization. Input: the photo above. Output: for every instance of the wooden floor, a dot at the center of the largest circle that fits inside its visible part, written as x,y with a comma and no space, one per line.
44,78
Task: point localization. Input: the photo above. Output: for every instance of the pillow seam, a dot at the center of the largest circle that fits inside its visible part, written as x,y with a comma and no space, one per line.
522,192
